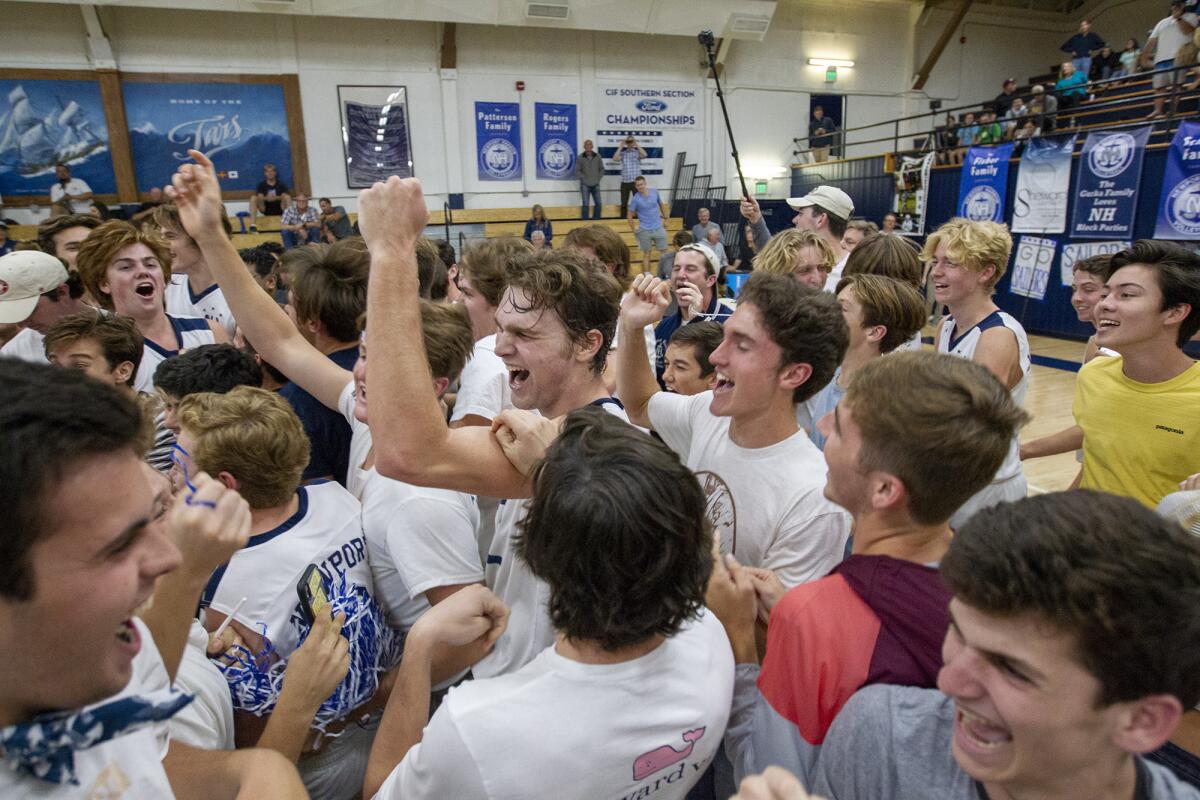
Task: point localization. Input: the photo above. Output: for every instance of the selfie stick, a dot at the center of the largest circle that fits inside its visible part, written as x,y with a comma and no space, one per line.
707,40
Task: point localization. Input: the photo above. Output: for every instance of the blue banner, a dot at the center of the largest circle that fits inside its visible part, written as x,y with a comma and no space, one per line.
498,139
43,122
984,182
1179,206
555,137
240,126
1106,190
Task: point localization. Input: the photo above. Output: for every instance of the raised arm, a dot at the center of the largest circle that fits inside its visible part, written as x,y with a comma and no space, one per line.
198,195
412,441
645,305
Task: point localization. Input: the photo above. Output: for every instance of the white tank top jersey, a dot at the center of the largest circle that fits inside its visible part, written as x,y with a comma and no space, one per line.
529,630
189,332
963,344
326,530
209,304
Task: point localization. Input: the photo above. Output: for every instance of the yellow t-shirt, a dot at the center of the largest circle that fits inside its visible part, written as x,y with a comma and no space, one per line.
1139,439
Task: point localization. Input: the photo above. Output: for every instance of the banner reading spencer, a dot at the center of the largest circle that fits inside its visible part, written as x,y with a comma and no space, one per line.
1179,206
554,137
984,182
1043,185
1106,191
498,139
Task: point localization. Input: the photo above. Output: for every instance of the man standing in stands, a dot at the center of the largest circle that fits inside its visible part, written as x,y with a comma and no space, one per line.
73,191
628,157
1082,45
1004,100
1170,34
650,210
820,134
589,170
270,198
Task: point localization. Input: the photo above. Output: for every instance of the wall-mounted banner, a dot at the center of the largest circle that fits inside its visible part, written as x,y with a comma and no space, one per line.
1031,266
649,106
1106,190
912,194
555,137
1043,185
651,141
1078,252
984,182
240,126
1179,206
498,141
43,122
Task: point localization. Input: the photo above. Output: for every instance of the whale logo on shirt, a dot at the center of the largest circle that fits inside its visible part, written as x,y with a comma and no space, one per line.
660,758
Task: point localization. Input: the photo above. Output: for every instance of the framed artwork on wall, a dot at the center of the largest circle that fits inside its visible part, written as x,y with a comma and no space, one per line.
376,141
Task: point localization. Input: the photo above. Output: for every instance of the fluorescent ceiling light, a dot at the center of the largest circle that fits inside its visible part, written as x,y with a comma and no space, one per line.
830,62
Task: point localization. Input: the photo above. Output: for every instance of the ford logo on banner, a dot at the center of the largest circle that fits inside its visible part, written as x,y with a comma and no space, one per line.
651,106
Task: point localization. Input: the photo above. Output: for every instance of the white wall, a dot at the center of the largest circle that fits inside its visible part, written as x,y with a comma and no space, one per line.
767,83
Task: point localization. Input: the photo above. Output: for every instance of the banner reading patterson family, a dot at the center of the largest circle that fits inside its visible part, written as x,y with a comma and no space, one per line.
1106,190
1179,205
555,138
498,141
984,182
1043,185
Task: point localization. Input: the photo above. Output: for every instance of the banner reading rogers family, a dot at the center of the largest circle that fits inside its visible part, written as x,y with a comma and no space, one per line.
1179,206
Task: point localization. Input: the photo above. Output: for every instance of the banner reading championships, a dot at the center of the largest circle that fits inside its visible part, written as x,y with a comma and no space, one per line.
1110,169
1179,206
1043,185
912,194
984,182
555,138
498,141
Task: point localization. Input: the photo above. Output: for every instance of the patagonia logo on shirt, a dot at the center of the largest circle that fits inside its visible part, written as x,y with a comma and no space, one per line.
1168,430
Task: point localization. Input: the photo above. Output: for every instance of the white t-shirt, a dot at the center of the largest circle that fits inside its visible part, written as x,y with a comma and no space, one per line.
835,274
128,767
326,530
76,187
767,504
646,728
207,721
360,443
1170,38
209,304
189,332
483,387
529,630
28,345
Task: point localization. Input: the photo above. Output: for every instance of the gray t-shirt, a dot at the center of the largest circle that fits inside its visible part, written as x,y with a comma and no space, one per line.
894,742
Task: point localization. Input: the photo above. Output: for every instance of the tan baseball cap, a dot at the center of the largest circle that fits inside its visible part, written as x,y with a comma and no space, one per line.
830,198
24,276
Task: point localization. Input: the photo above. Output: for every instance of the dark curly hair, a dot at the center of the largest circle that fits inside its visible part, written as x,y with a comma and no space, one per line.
1123,582
217,368
1178,272
576,288
617,528
807,323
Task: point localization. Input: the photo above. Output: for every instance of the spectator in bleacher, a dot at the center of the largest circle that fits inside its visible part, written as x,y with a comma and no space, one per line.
73,193
650,210
1044,109
968,130
1170,34
1015,117
537,222
821,130
1023,134
990,131
890,223
589,169
667,260
1005,99
628,157
947,140
856,231
154,199
270,197
702,226
713,240
1130,57
1105,65
538,240
1071,86
1081,46
301,223
747,253
335,222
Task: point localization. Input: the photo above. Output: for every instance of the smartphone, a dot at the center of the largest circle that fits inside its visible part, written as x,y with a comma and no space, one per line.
314,598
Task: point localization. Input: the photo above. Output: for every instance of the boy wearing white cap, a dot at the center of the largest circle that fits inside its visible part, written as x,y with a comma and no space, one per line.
824,211
35,292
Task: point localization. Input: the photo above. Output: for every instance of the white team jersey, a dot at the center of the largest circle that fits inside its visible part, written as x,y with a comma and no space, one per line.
835,274
483,387
189,332
963,344
360,443
28,345
210,303
326,530
529,630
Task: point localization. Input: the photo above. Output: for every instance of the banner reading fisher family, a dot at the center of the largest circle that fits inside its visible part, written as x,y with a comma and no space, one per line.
984,182
554,136
1043,185
498,140
1106,190
1179,206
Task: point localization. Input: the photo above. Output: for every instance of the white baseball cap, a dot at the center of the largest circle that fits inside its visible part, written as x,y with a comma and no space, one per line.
24,276
830,198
